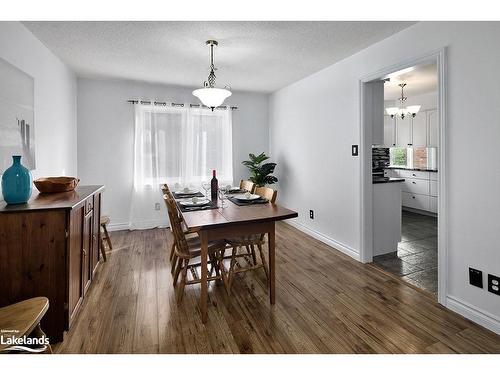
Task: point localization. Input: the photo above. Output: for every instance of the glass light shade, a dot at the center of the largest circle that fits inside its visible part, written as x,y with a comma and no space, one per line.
212,97
413,109
391,111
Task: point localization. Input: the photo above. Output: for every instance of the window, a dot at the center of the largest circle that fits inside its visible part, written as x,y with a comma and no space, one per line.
398,156
176,145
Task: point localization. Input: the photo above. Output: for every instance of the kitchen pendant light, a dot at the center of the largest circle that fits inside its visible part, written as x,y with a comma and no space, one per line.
403,111
210,95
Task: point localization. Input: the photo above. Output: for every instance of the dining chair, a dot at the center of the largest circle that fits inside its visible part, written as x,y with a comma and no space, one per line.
173,258
188,249
249,242
104,235
247,185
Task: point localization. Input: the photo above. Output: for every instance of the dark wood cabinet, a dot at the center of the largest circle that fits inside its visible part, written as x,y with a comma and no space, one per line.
50,247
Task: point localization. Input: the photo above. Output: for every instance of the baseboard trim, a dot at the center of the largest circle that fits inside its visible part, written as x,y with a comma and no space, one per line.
325,239
149,224
475,314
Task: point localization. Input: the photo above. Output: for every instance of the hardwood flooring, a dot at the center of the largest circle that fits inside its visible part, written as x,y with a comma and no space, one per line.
326,302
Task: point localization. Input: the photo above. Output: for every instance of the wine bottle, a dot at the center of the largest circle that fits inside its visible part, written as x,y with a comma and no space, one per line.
214,186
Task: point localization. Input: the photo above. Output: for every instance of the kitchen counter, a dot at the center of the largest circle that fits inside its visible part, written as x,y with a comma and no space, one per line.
412,169
385,180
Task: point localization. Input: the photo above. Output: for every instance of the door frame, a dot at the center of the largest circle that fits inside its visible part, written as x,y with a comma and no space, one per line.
366,206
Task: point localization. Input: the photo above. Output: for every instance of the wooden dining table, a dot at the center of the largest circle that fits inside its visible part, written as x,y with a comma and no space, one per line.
230,222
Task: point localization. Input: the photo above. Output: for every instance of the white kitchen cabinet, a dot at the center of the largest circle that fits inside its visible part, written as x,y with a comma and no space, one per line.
433,188
415,185
389,131
377,111
419,130
433,204
403,132
417,201
433,128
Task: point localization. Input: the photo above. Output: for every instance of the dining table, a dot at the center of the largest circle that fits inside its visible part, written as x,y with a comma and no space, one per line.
229,221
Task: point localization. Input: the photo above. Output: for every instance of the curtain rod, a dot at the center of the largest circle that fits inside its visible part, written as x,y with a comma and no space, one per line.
164,104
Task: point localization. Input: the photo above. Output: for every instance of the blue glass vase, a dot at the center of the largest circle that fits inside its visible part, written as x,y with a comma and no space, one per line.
16,183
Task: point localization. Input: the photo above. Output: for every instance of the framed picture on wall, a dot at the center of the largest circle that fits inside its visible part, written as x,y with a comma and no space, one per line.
17,116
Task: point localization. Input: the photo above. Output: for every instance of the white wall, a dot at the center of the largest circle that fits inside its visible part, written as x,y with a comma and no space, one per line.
55,99
314,122
106,134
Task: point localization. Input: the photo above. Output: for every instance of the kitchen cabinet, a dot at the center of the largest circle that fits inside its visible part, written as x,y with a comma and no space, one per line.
389,131
433,128
419,190
49,248
403,132
419,130
376,111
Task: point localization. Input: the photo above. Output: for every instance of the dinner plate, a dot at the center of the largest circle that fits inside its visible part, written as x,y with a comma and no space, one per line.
190,203
186,192
244,197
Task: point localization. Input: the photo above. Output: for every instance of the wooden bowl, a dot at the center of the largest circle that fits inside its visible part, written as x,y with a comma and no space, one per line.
56,184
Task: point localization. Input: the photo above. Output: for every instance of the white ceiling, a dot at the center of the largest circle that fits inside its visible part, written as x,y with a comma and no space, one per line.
420,79
253,56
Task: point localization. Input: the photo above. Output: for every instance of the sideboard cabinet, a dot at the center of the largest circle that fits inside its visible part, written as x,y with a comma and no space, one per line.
50,247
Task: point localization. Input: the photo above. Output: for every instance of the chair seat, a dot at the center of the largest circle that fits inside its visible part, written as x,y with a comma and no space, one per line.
252,239
195,247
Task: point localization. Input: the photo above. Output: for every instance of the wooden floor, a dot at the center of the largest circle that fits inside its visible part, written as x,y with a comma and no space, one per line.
325,303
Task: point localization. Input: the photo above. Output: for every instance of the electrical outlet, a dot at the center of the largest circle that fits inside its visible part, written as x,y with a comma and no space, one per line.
157,206
476,278
494,284
311,214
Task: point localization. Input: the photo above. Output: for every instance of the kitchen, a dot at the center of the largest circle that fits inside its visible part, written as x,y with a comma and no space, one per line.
405,177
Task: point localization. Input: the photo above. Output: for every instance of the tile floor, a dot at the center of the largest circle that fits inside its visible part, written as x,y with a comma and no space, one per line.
416,259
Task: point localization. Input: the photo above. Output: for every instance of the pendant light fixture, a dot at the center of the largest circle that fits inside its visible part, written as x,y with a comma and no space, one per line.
403,111
210,95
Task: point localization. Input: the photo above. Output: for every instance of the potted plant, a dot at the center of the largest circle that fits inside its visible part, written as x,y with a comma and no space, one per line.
260,174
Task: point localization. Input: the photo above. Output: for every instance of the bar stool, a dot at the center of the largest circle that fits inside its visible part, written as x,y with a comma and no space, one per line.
104,235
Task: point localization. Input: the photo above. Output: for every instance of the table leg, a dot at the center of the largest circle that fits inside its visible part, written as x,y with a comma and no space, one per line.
204,283
272,264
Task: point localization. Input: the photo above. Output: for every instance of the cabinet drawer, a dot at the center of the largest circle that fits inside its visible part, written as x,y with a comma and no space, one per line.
434,188
413,174
434,176
390,173
418,201
416,186
433,204
89,205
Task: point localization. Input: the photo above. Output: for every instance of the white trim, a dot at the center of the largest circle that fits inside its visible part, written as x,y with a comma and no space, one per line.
366,214
327,240
148,224
478,316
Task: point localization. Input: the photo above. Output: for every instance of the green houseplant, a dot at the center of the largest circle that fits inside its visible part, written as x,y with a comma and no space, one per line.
260,174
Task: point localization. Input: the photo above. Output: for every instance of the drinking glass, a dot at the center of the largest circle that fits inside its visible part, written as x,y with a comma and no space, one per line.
206,186
222,197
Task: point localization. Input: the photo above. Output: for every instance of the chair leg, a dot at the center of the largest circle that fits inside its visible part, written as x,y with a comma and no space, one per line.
174,263
263,259
178,268
251,250
231,268
180,292
108,239
103,250
172,251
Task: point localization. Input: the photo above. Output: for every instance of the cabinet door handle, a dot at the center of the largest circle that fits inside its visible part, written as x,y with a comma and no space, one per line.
413,197
84,252
414,175
413,182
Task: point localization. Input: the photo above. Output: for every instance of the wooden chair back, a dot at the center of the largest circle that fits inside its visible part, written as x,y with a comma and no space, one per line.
268,193
247,185
175,223
165,189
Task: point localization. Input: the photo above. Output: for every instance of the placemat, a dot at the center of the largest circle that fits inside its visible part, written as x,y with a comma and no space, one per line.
249,203
209,206
187,195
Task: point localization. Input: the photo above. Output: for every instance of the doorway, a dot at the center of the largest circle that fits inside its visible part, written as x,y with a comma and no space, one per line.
413,143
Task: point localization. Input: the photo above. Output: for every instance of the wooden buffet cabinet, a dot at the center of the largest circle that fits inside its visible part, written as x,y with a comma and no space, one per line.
50,247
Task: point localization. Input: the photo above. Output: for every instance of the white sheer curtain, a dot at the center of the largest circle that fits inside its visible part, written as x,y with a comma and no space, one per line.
176,145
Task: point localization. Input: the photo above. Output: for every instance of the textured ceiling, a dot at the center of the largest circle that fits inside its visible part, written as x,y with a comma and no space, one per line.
421,79
253,56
